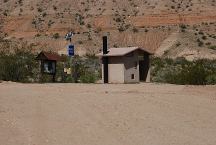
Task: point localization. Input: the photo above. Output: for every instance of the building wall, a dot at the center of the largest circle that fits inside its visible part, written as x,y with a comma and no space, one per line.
125,69
131,68
148,79
115,70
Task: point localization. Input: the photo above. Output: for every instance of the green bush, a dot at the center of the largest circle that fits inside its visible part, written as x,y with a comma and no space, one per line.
86,69
56,36
88,77
212,47
19,66
181,71
211,79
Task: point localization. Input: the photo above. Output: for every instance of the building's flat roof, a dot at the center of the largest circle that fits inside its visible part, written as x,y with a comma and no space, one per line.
122,51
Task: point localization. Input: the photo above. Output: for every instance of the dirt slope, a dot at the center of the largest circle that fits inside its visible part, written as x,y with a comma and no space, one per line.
135,20
78,114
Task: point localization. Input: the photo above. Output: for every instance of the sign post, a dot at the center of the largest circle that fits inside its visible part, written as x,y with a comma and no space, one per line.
71,55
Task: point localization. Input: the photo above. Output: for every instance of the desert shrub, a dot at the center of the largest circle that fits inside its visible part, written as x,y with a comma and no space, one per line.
40,10
211,79
80,19
54,8
201,33
204,37
212,47
5,13
183,27
37,35
50,23
56,36
19,66
173,7
89,26
89,69
88,77
178,44
118,20
121,29
80,42
200,43
194,74
84,70
44,14
181,71
208,43
135,30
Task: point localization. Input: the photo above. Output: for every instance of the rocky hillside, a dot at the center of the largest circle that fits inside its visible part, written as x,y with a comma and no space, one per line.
146,23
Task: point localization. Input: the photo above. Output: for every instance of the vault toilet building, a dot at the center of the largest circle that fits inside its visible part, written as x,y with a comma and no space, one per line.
125,65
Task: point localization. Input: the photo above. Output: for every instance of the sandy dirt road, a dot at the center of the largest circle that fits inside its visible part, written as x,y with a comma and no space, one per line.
81,114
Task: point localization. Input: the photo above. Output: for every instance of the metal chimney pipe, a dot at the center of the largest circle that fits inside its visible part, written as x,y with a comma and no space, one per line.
105,61
105,51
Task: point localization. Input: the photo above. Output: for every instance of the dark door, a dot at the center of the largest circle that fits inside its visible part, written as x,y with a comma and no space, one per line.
144,67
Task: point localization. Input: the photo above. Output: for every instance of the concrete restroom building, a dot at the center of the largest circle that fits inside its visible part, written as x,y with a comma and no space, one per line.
125,65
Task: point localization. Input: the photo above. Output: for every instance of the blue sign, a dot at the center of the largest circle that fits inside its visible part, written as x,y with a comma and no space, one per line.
71,50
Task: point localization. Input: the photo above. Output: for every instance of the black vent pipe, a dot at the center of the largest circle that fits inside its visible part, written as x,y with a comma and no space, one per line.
105,60
105,51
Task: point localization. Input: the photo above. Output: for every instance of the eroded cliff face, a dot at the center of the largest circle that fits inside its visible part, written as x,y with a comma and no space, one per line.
128,23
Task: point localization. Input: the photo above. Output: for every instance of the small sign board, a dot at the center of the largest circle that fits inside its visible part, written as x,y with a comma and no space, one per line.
49,67
71,50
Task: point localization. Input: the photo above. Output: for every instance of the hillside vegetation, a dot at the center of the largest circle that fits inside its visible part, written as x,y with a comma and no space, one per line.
144,23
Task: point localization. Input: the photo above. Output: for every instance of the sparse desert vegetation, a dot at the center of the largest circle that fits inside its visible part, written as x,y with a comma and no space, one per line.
119,19
177,108
20,65
183,72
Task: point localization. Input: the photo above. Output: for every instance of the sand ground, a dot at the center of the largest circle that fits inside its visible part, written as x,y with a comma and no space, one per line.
81,114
